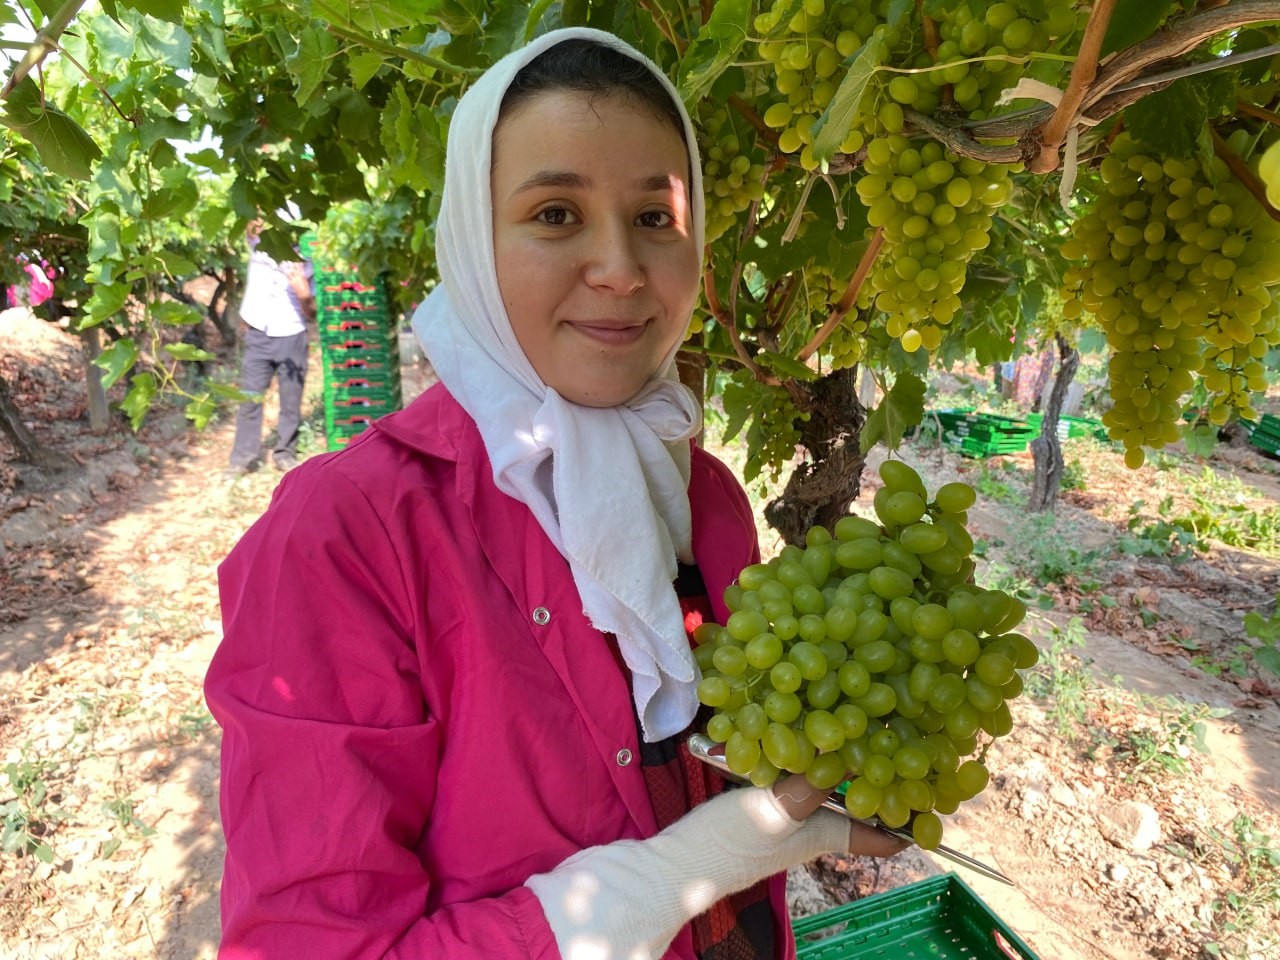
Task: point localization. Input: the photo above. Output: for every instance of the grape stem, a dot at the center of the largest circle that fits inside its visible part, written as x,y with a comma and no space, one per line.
850,297
661,21
725,320
1240,170
1083,73
931,42
753,118
45,43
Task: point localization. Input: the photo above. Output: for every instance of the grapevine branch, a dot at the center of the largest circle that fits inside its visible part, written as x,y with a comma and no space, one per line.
850,297
722,317
753,118
961,142
1108,93
1083,73
46,42
1179,40
1240,170
392,50
1258,113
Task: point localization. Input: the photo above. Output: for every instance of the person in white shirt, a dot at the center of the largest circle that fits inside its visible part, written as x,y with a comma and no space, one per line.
276,306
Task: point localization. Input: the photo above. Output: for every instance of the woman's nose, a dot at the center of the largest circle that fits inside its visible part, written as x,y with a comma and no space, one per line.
613,262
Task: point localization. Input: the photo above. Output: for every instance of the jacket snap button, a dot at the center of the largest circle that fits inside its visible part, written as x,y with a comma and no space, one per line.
624,757
541,616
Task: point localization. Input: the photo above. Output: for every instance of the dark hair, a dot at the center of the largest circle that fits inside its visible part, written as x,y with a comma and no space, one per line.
590,67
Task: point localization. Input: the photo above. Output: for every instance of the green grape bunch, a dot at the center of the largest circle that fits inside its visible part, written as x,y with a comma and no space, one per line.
732,176
868,658
1176,261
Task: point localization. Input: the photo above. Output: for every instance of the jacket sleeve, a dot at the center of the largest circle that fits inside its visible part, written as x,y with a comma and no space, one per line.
329,755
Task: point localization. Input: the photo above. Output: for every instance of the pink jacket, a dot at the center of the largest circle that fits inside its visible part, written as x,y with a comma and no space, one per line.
416,715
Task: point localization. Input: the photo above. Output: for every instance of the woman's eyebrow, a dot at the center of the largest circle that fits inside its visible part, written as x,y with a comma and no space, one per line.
565,179
553,178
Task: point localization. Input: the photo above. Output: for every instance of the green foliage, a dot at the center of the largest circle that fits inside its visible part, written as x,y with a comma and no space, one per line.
1222,510
1063,681
28,818
1164,536
343,111
1246,920
1266,630
901,408
1164,743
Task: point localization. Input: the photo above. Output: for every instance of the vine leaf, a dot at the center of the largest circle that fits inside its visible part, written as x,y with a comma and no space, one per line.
309,65
1200,439
107,300
117,360
1268,657
170,10
175,314
830,129
1132,21
786,366
188,351
740,401
1172,121
901,409
711,53
136,403
898,10
63,145
411,136
363,65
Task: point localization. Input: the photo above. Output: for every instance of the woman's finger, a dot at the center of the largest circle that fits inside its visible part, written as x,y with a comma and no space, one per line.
797,796
867,841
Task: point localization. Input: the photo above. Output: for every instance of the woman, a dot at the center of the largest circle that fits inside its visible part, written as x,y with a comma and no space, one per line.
455,673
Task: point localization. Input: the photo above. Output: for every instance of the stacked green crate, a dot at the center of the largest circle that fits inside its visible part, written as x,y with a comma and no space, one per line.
980,434
360,350
1264,433
1069,428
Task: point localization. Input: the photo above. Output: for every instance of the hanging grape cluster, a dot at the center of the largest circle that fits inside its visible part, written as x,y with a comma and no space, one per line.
1175,260
731,177
868,655
934,207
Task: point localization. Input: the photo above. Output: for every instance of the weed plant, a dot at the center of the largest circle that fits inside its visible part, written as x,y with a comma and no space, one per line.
1063,681
28,817
1164,744
1246,921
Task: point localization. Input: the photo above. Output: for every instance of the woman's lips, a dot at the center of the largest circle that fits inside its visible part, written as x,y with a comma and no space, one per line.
613,334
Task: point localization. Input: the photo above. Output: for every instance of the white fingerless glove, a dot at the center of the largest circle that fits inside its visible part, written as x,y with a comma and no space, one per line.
627,900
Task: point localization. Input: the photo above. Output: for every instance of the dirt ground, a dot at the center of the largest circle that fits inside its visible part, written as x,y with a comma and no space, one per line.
1122,840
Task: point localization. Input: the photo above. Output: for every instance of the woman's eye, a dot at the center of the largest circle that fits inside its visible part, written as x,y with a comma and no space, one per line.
656,218
555,216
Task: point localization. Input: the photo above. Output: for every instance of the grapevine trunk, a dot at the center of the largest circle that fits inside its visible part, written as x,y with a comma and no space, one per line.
822,487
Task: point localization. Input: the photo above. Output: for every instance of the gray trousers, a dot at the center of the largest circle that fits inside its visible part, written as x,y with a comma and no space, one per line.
284,358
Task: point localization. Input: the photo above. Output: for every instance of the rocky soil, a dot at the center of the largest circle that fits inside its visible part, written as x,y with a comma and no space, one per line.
1123,839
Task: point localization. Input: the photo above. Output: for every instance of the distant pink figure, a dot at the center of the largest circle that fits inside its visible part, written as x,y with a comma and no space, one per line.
40,288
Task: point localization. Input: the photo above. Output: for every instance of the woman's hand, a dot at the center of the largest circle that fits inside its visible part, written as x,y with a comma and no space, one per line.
799,799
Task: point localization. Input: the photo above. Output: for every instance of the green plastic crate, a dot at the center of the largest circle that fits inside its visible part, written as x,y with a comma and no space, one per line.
356,326
940,918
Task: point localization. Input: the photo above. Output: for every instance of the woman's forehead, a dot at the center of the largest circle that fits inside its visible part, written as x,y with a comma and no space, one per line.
559,124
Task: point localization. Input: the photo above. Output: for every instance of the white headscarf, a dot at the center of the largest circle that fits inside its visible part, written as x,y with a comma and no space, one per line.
608,485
